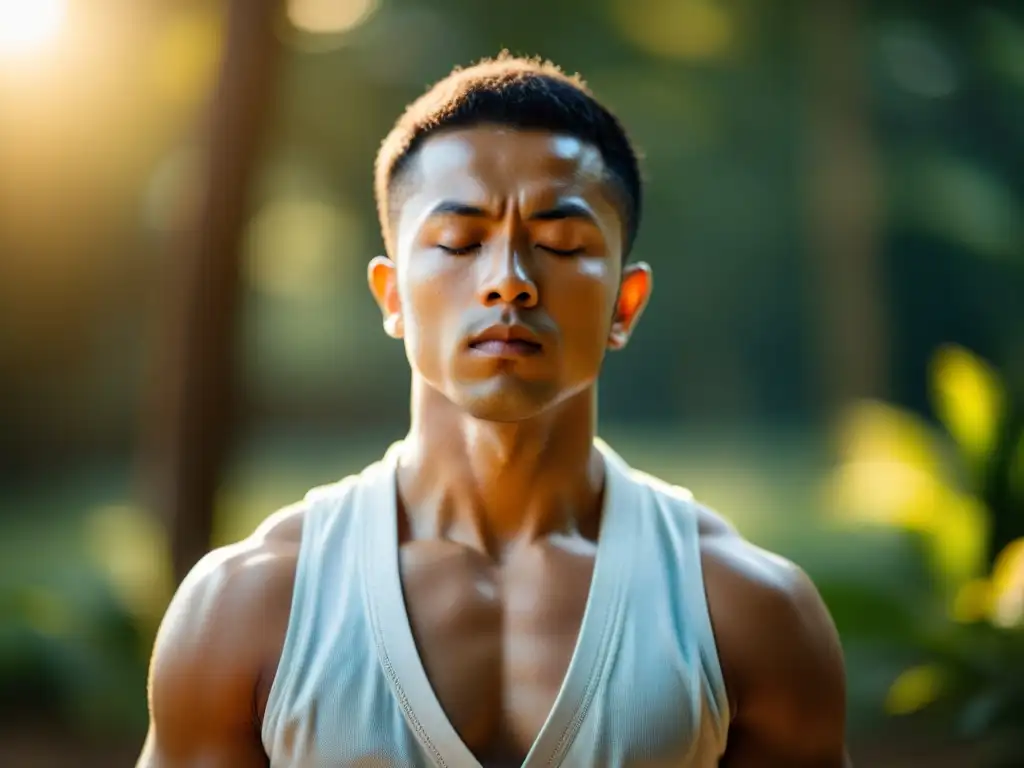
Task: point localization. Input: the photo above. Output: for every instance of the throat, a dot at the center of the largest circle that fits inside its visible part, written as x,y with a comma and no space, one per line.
495,485
492,499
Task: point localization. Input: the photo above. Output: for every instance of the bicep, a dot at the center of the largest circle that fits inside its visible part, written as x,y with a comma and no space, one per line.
201,682
751,750
792,712
224,753
201,754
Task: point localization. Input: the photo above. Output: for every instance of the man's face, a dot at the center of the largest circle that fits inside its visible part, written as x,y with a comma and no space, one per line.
507,270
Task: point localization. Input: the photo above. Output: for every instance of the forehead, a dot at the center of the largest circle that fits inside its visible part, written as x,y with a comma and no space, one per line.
496,163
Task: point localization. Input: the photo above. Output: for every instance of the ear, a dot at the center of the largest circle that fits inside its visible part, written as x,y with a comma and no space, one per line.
634,292
384,286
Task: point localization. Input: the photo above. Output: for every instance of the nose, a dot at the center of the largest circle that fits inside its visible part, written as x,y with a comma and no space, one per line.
508,281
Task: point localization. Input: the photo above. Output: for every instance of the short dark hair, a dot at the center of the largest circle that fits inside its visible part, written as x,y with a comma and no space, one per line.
516,92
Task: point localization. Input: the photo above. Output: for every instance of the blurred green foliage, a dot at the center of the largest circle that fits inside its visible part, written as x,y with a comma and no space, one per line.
71,652
912,538
952,490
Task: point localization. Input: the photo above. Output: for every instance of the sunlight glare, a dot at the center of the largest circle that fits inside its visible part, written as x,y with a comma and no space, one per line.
29,25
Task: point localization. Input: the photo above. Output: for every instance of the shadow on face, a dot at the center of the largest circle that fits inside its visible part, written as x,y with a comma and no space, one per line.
507,283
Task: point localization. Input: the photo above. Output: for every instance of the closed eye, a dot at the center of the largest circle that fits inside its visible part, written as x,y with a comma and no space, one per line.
459,251
467,249
560,251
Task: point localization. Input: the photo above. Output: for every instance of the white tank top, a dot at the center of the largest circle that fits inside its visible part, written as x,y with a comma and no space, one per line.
644,686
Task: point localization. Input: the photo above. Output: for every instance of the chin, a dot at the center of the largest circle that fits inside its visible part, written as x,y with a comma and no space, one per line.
505,402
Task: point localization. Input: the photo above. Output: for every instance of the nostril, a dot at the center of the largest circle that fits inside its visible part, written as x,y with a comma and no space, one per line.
499,296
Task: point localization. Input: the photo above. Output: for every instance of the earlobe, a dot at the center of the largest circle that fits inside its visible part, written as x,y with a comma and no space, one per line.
393,326
381,277
634,292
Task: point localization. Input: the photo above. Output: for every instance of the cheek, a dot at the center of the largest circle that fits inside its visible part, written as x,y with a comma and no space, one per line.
584,306
428,293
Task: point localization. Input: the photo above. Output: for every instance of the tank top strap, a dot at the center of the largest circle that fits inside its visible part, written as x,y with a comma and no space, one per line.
696,599
327,550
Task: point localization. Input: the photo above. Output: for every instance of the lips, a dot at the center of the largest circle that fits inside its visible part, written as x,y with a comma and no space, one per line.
506,340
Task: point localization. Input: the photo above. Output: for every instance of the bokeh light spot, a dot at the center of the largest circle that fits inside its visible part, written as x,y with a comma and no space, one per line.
677,29
186,55
1008,586
914,690
132,549
968,399
917,63
294,245
329,17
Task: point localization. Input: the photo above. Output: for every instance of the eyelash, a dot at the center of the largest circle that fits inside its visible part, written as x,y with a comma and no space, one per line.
470,248
459,251
558,252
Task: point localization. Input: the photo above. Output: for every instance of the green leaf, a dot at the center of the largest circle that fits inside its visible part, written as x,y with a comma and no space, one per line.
969,400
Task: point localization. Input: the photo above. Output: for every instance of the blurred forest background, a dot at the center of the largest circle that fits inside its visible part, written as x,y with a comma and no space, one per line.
834,354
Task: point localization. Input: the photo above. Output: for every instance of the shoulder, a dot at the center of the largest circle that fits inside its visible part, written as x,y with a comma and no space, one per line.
752,590
236,577
231,586
224,622
778,647
745,571
735,570
754,596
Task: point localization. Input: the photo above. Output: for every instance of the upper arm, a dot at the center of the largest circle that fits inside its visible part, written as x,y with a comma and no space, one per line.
205,666
783,663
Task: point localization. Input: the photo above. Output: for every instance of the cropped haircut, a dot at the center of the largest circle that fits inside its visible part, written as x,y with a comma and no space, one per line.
518,93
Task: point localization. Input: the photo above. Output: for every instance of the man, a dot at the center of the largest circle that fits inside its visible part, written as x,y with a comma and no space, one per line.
501,589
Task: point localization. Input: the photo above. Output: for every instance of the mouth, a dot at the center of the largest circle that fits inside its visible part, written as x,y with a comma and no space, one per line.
506,349
506,341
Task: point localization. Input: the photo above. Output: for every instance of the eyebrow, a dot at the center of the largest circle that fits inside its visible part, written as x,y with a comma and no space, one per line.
563,210
453,208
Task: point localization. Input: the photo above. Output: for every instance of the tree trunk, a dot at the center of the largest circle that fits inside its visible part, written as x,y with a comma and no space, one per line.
844,218
192,402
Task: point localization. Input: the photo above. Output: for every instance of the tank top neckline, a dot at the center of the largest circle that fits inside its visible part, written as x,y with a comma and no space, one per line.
396,647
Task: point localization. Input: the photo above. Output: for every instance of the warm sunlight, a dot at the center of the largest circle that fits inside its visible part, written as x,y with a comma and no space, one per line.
29,25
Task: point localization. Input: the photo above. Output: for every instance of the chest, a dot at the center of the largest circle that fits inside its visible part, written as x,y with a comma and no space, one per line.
496,642
434,657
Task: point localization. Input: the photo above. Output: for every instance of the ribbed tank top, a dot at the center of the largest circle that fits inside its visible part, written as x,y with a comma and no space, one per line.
644,686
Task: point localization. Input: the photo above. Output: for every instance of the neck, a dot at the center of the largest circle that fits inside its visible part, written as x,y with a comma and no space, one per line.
491,485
